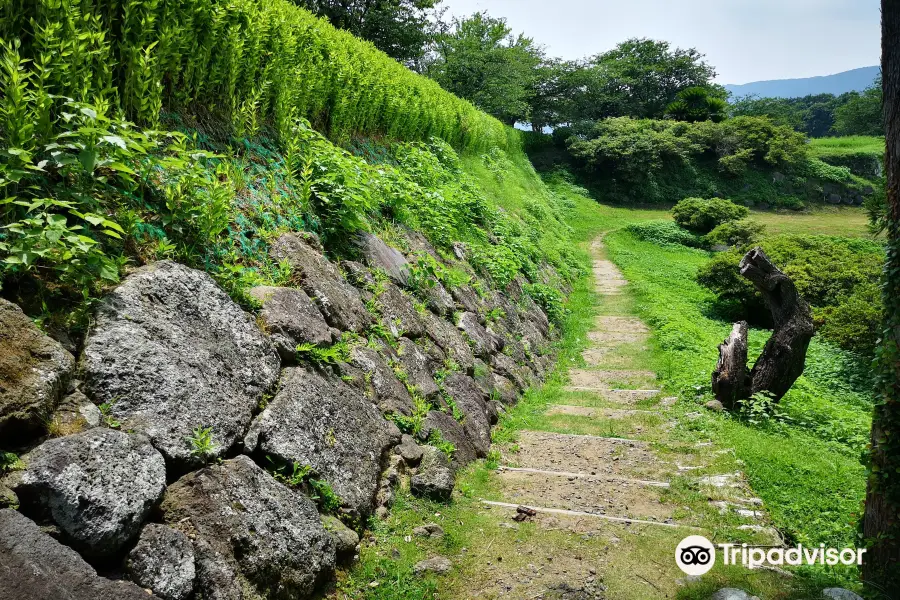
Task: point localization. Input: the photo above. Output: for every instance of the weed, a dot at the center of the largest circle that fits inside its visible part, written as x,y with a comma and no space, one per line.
202,444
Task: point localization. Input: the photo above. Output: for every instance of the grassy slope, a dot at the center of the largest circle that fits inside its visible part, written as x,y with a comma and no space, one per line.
854,144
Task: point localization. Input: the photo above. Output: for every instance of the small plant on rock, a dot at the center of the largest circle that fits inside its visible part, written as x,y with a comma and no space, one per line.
202,444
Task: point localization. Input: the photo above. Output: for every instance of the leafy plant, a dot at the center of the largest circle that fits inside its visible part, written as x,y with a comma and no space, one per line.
10,461
702,216
664,233
437,440
735,233
325,355
202,444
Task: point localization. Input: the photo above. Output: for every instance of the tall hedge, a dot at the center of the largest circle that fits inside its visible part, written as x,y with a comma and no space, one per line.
247,60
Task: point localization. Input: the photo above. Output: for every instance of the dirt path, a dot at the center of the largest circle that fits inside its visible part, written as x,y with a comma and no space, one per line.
611,482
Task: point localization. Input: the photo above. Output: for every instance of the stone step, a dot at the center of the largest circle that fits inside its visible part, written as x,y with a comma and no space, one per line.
620,324
626,397
576,513
610,379
612,339
571,474
592,412
617,457
620,498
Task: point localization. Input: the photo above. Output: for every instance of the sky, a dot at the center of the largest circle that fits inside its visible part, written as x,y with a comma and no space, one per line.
746,40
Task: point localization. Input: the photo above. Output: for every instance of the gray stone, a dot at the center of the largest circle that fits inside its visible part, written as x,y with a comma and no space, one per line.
460,250
253,537
415,365
439,300
381,383
732,594
438,565
398,314
432,530
358,275
346,541
320,421
451,341
98,486
482,341
75,414
451,431
169,352
467,298
868,190
390,481
470,400
37,567
34,372
409,450
8,498
504,366
163,562
291,318
434,477
833,198
338,301
379,255
840,594
715,406
778,177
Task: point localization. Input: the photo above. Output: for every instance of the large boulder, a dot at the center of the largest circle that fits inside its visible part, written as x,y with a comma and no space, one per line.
483,342
450,430
471,402
415,364
34,371
506,367
339,302
380,382
98,486
449,339
163,562
398,314
379,255
291,318
320,421
434,477
170,352
253,537
34,566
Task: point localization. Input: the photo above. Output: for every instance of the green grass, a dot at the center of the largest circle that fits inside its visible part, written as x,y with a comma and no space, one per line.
855,144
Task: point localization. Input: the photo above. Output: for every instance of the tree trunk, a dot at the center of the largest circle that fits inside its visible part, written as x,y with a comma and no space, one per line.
881,521
731,379
784,356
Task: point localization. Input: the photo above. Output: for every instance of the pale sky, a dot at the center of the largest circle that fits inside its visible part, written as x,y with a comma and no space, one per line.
746,40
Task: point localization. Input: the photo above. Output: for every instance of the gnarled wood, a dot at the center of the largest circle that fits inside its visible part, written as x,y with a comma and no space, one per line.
784,356
731,379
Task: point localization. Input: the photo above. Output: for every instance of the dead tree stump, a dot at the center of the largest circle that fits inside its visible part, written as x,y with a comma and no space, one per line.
784,356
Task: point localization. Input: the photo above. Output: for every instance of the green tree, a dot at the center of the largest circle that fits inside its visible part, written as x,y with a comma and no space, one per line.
861,115
695,104
480,59
402,29
640,78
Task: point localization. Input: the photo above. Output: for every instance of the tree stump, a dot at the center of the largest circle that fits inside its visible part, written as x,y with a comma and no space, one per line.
784,356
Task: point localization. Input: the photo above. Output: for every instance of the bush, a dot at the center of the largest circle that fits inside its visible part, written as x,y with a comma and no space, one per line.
702,216
664,233
735,233
837,276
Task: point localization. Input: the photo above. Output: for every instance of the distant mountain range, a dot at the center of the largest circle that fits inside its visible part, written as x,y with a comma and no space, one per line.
849,81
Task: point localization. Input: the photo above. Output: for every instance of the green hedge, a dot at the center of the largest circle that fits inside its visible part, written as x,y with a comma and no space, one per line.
250,61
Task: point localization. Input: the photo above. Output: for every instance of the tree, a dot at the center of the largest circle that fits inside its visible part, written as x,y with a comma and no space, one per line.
881,521
640,78
695,104
861,114
400,28
480,59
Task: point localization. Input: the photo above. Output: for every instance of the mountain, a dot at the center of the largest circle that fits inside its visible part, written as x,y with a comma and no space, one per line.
839,83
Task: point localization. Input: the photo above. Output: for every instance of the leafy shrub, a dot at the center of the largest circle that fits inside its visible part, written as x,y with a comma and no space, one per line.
664,233
837,276
548,298
702,216
735,233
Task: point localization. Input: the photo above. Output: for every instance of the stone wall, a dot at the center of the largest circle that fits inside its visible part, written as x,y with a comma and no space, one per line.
152,457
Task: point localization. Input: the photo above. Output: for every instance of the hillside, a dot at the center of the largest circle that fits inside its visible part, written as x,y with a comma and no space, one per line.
855,80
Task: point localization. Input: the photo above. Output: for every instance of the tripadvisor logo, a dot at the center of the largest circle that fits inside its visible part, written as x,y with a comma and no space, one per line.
696,555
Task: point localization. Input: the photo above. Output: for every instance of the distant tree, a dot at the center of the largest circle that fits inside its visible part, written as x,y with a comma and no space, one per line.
640,78
695,104
400,28
861,114
479,58
881,521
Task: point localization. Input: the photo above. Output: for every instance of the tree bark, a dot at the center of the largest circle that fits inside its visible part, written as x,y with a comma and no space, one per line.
731,379
784,356
881,521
